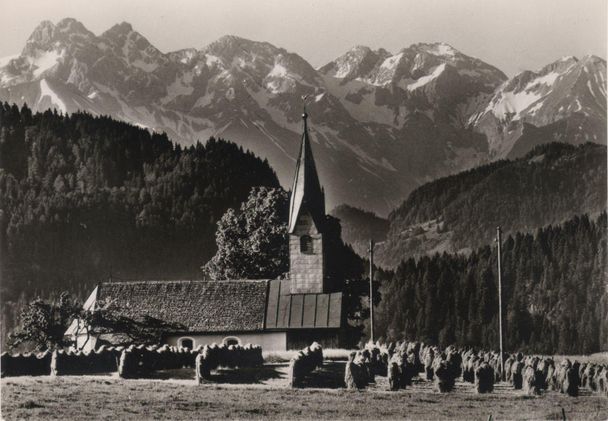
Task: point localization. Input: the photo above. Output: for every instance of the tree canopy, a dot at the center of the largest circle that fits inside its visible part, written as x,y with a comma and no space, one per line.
43,325
252,242
554,293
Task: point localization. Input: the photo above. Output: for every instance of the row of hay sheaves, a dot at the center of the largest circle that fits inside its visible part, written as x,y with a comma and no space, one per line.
402,361
130,362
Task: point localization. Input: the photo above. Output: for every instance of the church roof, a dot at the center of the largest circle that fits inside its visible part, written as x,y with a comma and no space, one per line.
220,306
199,306
295,311
306,191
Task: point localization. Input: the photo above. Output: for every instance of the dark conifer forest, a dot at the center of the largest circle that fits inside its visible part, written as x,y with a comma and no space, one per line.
86,198
554,293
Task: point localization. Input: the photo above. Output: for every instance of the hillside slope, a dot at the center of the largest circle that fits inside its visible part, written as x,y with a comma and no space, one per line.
359,226
461,212
85,198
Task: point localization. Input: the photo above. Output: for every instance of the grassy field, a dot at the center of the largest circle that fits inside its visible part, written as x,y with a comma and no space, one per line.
263,394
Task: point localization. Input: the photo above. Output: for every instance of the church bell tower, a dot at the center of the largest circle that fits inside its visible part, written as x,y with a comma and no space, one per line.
306,224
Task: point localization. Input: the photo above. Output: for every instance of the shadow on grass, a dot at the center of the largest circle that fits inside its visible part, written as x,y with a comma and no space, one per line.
178,373
246,375
221,375
329,376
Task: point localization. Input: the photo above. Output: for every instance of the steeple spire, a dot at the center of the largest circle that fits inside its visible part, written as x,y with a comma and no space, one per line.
306,191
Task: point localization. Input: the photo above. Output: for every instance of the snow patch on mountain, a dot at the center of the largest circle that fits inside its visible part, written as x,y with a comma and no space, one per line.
278,71
442,49
387,70
360,101
548,79
509,105
47,92
423,80
279,79
204,100
344,70
180,86
44,61
391,63
146,67
211,60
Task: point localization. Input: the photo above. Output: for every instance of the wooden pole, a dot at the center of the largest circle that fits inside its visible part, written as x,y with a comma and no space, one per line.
371,292
499,240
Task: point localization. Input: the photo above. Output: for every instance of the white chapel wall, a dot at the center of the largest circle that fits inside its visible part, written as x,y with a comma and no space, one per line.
269,341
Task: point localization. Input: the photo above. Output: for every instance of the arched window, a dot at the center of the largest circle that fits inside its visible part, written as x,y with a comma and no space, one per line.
231,340
306,244
186,343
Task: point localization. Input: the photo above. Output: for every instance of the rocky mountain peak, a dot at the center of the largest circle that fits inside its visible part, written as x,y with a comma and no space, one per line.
562,65
122,33
593,61
133,47
185,56
120,29
67,34
229,47
436,48
72,26
43,34
355,63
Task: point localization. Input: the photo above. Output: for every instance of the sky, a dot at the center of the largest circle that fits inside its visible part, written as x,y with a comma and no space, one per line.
513,35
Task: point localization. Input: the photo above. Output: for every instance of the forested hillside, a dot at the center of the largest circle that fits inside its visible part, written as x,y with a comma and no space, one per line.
460,213
554,293
84,198
360,226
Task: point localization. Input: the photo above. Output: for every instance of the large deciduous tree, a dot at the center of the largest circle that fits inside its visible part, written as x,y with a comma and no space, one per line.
252,242
43,324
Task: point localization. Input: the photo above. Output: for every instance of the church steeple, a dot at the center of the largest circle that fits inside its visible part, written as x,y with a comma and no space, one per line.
306,191
306,224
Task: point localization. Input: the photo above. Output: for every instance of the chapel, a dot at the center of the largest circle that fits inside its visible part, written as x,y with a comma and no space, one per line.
278,314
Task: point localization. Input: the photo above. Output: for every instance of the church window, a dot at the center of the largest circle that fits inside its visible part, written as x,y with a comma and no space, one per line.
306,244
186,343
231,340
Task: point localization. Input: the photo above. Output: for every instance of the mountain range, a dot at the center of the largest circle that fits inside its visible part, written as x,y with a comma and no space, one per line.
382,123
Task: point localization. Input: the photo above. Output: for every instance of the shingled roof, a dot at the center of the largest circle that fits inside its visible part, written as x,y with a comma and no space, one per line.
199,306
220,306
